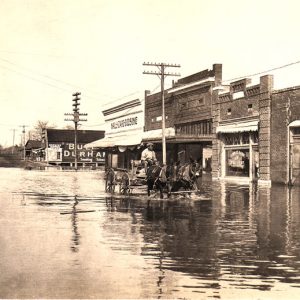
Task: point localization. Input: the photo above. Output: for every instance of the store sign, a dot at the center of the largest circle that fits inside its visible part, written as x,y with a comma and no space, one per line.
83,155
127,122
55,146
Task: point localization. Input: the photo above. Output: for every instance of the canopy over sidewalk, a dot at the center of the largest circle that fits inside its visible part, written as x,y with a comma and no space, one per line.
238,127
109,142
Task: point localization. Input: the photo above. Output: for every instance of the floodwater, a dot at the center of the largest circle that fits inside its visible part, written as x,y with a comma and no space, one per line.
61,236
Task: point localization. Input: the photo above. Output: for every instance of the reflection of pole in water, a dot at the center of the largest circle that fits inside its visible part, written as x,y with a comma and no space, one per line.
76,235
161,275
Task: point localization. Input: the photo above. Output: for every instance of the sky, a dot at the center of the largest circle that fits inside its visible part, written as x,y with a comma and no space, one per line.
52,49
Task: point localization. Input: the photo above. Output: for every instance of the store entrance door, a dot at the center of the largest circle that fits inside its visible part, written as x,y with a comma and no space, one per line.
295,161
255,162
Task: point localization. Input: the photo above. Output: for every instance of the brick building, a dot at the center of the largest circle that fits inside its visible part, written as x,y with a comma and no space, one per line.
188,111
242,127
285,136
257,132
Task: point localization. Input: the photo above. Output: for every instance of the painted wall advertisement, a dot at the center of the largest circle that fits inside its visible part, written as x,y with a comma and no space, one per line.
83,155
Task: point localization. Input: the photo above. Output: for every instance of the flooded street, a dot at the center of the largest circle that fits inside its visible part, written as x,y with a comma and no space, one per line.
61,236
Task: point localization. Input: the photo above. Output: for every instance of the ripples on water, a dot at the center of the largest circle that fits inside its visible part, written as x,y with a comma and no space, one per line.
61,236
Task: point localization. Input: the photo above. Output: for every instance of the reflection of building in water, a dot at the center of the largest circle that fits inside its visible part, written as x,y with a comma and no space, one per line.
278,240
186,233
244,236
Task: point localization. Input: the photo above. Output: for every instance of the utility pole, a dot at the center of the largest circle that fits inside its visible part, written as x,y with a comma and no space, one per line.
13,147
76,118
162,75
23,132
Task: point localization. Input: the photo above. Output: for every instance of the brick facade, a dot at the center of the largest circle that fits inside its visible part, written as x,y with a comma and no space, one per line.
285,106
189,100
188,108
239,103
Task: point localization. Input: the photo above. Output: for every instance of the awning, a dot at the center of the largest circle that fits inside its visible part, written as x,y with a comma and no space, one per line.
108,142
295,124
102,143
130,140
238,127
156,134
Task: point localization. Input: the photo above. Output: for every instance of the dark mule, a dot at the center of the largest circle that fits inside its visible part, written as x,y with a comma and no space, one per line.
185,177
124,187
110,180
157,179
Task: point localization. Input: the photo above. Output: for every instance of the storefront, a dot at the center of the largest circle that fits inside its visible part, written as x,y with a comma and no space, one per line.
239,154
123,134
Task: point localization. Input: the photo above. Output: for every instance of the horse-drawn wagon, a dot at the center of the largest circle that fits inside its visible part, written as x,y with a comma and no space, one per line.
152,178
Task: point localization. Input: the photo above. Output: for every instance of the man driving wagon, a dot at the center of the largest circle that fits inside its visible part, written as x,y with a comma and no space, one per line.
148,154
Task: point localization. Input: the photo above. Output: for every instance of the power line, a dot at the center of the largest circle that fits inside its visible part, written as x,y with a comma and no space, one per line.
263,72
34,79
46,76
127,111
162,74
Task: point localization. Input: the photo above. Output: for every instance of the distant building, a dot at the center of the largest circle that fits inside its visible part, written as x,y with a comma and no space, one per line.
33,150
59,149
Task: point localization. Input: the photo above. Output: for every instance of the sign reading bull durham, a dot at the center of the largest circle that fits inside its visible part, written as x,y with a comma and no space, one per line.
124,123
68,154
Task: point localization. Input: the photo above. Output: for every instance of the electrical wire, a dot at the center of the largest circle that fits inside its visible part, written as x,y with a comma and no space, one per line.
263,72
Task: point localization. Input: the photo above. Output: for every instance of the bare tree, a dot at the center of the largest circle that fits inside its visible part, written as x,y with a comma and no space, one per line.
70,127
36,133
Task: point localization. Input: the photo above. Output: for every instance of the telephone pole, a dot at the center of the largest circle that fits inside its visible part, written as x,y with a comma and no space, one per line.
13,147
23,132
162,75
76,118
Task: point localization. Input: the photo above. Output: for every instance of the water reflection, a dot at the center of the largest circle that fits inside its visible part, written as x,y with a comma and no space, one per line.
233,239
76,235
241,237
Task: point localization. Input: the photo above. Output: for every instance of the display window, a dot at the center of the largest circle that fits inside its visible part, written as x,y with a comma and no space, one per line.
237,162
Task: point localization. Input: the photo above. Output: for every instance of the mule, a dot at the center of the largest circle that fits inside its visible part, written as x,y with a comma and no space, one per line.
185,177
157,178
124,187
110,181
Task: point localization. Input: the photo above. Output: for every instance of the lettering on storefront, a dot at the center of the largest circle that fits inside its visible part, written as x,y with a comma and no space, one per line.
124,123
55,146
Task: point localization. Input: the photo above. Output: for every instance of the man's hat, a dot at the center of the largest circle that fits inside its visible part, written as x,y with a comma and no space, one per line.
149,144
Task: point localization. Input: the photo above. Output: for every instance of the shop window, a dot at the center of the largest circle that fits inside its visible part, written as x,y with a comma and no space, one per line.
255,137
250,108
237,162
229,111
245,138
237,138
